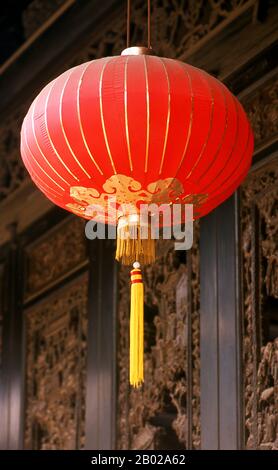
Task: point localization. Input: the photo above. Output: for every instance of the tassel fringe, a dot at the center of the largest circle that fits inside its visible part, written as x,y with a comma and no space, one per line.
131,246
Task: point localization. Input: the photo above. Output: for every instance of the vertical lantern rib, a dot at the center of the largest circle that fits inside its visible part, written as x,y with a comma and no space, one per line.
36,177
49,136
126,117
233,147
190,120
30,170
40,150
241,160
80,123
168,117
148,115
220,142
38,164
208,134
230,187
63,129
242,171
102,118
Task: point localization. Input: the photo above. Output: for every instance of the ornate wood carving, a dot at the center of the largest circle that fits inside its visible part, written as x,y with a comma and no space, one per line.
259,216
54,256
159,410
194,313
56,332
12,171
37,12
177,26
261,106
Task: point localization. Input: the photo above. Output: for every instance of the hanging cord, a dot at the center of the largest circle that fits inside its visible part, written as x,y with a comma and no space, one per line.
128,24
128,15
149,24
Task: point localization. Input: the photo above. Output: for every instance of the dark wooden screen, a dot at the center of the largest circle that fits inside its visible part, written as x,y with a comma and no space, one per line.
239,309
165,412
55,311
259,222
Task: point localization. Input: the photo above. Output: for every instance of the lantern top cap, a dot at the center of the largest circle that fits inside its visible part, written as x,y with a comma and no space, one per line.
138,50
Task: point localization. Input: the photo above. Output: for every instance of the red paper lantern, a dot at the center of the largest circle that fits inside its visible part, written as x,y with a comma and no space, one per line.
140,127
143,129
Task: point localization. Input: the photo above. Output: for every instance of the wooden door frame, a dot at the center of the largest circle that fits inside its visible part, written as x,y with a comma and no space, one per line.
101,357
12,366
221,329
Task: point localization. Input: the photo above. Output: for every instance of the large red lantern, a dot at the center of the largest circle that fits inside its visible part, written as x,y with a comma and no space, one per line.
136,125
141,128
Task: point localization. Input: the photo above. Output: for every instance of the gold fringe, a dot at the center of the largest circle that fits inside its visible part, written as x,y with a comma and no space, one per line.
130,245
136,368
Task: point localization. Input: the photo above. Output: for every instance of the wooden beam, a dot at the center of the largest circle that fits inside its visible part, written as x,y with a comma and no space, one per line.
101,357
221,395
37,64
12,368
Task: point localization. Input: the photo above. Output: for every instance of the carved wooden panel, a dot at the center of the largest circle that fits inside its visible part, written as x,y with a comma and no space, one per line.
165,411
194,362
55,255
176,26
56,332
261,106
12,171
259,215
37,13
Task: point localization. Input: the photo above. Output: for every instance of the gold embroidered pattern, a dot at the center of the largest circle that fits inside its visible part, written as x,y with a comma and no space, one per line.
127,192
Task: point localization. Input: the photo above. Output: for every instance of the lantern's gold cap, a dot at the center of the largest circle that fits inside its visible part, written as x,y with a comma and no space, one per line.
138,50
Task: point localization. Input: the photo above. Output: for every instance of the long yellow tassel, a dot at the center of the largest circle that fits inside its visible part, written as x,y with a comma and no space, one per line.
130,245
136,367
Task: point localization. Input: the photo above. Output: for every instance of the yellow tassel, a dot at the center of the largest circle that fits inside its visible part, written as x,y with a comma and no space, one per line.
130,245
136,367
